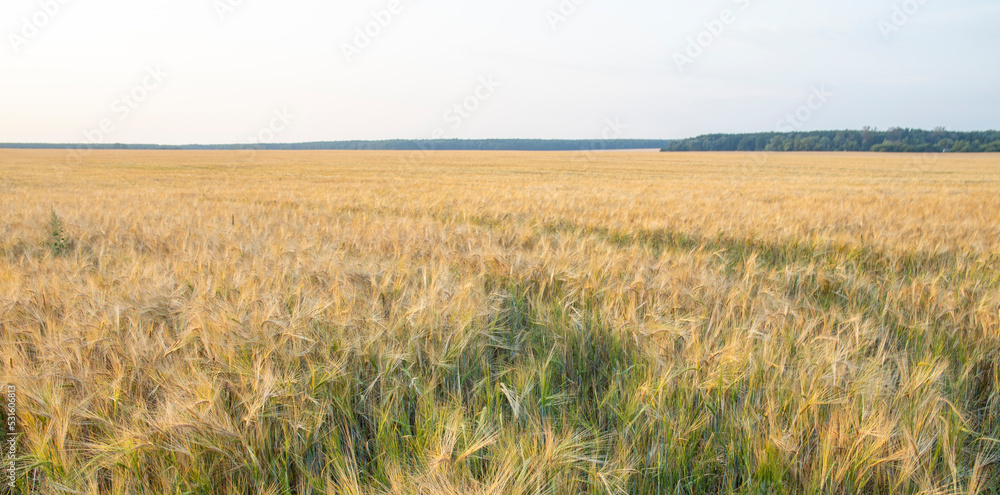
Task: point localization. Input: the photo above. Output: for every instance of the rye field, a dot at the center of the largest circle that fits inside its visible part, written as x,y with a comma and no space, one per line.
501,323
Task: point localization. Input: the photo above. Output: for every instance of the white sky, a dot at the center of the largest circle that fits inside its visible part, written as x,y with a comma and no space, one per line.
610,59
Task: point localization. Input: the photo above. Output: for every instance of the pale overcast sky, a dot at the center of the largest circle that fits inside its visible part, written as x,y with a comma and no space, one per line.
221,71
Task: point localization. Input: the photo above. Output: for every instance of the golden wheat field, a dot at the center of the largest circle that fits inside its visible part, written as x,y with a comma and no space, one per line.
501,323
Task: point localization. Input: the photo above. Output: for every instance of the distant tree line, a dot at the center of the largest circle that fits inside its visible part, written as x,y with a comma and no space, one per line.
895,139
393,144
71,146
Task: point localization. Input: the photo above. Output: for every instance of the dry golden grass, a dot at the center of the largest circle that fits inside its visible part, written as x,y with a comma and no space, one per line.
362,322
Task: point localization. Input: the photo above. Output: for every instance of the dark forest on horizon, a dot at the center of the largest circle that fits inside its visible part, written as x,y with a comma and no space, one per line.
898,140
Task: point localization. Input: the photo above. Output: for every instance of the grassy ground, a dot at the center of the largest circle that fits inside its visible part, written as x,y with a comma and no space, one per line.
368,323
